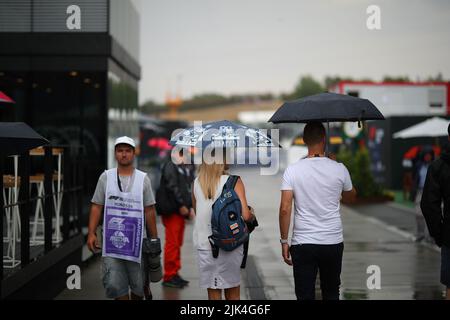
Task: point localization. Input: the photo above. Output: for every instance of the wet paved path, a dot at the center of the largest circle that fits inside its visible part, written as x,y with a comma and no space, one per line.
91,284
408,270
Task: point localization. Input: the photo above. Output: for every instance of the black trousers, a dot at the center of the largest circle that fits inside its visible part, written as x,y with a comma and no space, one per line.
307,259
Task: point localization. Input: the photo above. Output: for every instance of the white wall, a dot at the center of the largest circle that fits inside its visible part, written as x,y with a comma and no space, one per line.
399,100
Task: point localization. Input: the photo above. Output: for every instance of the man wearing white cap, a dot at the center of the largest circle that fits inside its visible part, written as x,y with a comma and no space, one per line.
124,198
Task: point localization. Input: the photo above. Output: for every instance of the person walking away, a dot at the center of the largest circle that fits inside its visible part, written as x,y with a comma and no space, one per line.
176,179
419,175
436,191
220,275
316,185
124,201
407,184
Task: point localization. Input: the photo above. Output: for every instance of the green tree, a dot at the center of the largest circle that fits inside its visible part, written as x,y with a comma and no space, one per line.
364,182
437,78
204,100
333,80
306,86
150,107
266,96
285,96
330,81
358,165
345,156
396,79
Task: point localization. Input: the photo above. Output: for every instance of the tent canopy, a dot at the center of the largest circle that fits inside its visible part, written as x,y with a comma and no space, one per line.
434,127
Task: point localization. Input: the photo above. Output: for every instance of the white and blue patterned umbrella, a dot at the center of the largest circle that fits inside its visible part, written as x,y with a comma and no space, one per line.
222,134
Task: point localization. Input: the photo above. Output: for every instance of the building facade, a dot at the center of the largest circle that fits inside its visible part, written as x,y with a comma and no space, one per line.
403,104
395,99
72,68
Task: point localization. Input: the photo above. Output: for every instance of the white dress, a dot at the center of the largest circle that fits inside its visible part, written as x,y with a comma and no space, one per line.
224,271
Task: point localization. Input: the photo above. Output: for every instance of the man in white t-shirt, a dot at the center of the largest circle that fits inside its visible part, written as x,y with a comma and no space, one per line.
316,185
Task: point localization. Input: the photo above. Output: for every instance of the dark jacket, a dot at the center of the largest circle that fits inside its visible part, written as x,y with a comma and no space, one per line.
436,191
177,179
417,165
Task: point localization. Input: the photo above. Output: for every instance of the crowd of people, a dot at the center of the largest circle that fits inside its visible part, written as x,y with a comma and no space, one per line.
124,209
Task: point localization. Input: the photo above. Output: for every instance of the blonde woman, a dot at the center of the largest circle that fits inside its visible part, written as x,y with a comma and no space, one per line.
224,272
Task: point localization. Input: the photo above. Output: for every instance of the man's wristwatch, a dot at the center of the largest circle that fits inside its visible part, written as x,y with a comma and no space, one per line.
284,241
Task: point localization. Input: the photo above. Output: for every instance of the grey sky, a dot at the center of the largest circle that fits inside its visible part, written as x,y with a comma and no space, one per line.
241,46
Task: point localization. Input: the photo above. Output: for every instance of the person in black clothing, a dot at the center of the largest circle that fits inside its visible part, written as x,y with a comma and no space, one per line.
174,204
420,168
437,190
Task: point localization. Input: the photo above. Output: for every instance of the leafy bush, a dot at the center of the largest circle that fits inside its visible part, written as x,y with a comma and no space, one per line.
358,164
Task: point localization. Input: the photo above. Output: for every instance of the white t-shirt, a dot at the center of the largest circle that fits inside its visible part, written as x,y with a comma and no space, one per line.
317,184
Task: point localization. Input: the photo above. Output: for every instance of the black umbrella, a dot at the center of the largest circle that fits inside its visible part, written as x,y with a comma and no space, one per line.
326,107
222,134
17,137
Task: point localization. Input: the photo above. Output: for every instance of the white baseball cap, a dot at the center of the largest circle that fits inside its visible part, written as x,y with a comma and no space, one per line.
125,140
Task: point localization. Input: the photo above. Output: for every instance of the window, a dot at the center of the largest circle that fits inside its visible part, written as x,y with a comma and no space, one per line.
353,93
436,97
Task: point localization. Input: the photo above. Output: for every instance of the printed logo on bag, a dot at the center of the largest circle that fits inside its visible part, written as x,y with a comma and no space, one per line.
123,202
115,198
234,226
116,224
119,240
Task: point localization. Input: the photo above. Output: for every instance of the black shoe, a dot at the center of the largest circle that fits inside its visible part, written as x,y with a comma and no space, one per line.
148,293
180,279
173,283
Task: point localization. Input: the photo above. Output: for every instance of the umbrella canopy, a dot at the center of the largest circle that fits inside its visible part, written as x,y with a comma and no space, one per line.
434,127
17,137
5,98
222,134
414,151
326,107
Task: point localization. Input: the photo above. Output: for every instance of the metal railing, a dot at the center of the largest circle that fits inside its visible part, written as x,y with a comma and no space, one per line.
58,199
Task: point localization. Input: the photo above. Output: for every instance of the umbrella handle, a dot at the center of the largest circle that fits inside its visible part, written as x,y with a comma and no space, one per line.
359,121
327,147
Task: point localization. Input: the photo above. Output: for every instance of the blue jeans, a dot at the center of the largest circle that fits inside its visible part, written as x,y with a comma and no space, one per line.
120,276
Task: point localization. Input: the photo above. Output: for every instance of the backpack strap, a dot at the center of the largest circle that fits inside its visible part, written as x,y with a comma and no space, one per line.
231,182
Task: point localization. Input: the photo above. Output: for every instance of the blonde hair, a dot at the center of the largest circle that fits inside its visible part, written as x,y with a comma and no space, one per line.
209,176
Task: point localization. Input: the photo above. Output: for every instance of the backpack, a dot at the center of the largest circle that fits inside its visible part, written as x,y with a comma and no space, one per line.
229,229
165,200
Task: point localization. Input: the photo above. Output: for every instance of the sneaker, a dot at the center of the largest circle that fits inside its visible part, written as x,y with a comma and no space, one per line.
173,283
180,279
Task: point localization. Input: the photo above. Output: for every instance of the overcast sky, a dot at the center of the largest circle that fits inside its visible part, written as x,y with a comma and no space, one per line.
251,46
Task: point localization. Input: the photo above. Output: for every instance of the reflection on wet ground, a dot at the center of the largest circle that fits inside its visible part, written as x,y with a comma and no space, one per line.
408,270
